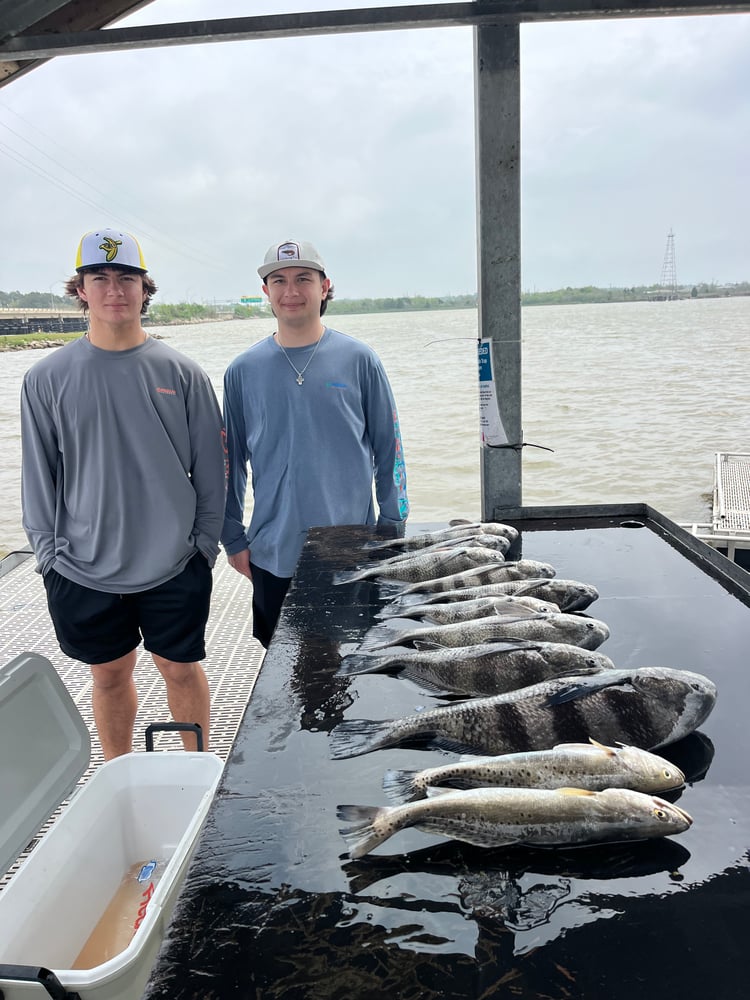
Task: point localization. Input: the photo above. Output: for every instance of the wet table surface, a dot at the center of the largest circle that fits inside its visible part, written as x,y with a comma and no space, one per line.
273,908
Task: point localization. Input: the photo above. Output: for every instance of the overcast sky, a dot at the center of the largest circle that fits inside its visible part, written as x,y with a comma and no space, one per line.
364,144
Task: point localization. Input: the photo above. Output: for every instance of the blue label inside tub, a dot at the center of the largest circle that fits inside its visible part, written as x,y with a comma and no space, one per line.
146,871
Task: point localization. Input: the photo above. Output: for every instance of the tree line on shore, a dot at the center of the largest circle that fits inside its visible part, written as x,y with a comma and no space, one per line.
194,312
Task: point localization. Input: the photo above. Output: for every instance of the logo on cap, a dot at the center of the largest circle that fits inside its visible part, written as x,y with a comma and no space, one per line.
288,251
109,246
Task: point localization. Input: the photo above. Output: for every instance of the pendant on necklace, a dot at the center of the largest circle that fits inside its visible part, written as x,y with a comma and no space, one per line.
299,379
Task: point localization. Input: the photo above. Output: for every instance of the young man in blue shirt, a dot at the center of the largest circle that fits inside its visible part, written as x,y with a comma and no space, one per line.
311,412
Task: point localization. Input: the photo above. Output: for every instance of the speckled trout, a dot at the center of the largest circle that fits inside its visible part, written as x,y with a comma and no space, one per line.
581,765
500,817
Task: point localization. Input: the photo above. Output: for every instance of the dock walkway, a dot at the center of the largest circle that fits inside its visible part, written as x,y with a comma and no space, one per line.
729,529
234,658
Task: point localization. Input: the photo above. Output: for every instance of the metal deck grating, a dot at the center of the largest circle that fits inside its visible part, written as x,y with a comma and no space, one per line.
732,492
234,658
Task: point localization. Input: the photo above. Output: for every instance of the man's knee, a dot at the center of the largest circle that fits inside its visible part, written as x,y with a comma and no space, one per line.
115,673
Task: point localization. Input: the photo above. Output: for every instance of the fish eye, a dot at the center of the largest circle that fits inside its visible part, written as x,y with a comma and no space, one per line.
660,814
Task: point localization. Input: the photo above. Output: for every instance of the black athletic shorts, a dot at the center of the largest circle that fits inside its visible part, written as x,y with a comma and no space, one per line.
269,592
95,627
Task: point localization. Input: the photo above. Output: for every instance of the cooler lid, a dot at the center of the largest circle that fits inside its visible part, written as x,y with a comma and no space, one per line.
44,749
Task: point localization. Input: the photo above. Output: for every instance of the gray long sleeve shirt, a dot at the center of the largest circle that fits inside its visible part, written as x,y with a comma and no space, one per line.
124,465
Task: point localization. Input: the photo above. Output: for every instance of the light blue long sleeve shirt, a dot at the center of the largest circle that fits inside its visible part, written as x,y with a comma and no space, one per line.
314,450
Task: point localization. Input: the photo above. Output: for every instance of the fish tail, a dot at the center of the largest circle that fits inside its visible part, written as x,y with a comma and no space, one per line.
358,736
399,786
390,588
350,575
363,836
380,636
360,663
407,598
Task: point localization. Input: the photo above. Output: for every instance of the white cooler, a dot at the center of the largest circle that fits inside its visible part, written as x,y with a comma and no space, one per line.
134,810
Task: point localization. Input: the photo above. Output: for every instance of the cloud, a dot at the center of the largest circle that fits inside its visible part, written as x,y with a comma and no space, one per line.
364,143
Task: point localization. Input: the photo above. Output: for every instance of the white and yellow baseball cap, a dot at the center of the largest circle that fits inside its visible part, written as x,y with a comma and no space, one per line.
110,248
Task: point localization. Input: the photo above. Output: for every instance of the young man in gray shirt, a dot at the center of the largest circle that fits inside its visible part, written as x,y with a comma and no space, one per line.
123,492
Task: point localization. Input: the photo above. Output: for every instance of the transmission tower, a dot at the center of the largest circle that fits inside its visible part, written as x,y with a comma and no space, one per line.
669,269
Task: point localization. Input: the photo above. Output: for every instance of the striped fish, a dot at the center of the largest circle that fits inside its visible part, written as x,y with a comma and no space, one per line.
646,707
483,670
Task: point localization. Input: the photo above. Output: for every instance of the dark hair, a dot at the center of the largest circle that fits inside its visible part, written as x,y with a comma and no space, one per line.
73,284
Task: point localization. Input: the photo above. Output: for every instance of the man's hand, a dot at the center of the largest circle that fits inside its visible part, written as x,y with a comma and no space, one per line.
241,562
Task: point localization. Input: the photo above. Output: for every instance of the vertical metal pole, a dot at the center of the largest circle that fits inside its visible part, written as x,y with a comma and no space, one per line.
497,88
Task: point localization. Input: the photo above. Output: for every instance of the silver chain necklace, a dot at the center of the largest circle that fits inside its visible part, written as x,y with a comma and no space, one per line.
299,380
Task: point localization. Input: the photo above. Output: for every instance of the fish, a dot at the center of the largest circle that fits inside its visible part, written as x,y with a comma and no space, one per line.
422,567
568,595
496,542
533,817
591,765
646,707
462,611
482,670
492,573
577,630
459,529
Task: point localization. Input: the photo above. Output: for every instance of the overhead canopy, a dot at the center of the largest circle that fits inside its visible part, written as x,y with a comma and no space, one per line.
33,31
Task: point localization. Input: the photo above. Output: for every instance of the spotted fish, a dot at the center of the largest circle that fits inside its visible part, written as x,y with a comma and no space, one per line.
534,817
581,765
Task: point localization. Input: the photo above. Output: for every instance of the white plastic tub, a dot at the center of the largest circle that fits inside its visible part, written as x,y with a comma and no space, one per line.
136,808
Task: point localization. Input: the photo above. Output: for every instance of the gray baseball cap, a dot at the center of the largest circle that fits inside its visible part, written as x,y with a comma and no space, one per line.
290,253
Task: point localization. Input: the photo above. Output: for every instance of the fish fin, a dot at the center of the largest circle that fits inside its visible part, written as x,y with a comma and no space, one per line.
438,742
362,837
577,687
357,736
412,673
425,645
511,644
515,615
456,521
519,613
399,786
435,791
528,588
610,751
574,791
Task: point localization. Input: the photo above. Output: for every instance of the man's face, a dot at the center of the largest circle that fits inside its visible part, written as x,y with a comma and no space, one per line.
296,294
113,295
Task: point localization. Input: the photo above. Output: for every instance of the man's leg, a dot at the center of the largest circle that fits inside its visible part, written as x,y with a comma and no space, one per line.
115,703
269,592
188,696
